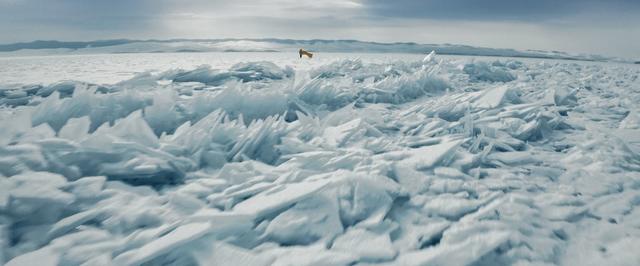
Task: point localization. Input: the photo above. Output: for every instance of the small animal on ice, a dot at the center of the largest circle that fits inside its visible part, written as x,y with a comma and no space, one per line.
303,52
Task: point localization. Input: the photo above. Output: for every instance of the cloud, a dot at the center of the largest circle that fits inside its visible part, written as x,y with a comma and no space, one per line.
594,26
497,10
74,15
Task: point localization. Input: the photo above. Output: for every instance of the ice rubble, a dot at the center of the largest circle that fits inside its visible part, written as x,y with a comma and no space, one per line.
482,71
437,162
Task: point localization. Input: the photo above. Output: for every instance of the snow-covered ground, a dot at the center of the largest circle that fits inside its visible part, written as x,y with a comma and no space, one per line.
267,159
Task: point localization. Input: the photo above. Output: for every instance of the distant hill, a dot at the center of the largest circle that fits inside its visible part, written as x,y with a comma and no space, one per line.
273,45
58,44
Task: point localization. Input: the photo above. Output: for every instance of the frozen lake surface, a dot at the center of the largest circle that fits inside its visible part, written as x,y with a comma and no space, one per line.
345,159
111,68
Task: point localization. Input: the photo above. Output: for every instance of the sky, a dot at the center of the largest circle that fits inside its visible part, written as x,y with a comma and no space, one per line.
606,27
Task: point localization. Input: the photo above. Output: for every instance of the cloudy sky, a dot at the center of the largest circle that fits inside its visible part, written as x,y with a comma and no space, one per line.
609,27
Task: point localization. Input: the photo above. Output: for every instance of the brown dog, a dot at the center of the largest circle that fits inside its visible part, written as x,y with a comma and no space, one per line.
303,52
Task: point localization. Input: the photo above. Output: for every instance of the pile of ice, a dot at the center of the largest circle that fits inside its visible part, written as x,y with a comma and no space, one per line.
437,162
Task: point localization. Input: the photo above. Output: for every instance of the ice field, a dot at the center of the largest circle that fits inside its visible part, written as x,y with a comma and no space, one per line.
345,159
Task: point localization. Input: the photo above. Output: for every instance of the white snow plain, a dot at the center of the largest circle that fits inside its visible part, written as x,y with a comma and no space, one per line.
434,161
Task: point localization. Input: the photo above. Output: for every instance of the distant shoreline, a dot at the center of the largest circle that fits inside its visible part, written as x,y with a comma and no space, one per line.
119,46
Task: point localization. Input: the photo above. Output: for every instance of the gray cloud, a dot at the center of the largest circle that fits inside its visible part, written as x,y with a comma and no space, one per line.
594,26
498,10
24,20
